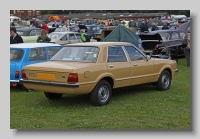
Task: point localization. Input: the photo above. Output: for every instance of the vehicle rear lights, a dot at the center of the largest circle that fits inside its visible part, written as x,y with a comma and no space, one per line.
24,76
17,72
72,78
14,85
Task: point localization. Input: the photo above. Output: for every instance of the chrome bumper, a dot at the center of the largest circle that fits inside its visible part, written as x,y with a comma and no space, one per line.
176,70
50,83
14,81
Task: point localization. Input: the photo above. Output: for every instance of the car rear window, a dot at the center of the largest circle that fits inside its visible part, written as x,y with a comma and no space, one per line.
165,36
16,55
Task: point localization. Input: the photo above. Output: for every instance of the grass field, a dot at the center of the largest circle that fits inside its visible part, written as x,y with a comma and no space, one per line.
139,107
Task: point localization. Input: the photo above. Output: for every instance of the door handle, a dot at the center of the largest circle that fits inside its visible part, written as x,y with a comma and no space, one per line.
111,66
135,64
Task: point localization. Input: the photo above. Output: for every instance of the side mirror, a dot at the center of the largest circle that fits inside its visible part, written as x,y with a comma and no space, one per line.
148,57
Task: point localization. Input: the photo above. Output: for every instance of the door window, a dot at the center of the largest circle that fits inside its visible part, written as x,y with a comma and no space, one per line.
72,37
33,33
116,54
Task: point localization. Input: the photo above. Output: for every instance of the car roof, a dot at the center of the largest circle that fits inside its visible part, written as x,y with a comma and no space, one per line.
100,44
32,45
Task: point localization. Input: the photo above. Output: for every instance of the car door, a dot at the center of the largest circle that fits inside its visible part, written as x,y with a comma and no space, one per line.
37,55
78,37
72,38
119,66
177,41
142,69
64,40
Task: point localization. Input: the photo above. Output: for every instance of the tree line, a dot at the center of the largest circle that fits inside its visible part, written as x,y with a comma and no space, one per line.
176,12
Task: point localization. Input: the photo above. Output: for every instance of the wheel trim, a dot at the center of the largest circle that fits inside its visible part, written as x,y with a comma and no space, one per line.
165,80
103,93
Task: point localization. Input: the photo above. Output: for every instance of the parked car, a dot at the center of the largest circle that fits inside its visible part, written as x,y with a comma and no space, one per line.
64,38
96,69
155,41
71,28
26,54
29,34
93,29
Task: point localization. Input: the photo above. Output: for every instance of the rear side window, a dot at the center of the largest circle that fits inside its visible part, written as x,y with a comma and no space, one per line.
37,54
52,51
134,54
182,34
16,55
175,36
116,54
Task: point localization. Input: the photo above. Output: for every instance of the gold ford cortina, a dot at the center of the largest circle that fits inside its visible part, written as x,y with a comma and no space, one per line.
96,68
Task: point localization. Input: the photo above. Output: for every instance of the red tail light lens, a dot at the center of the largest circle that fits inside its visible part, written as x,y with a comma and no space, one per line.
72,78
17,72
24,75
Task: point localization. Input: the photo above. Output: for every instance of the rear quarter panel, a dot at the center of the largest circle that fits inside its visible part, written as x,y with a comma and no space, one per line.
163,64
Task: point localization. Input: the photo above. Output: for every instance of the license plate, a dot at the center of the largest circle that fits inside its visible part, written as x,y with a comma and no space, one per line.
45,76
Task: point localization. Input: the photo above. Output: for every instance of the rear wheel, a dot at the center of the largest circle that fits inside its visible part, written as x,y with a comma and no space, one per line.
52,96
164,81
101,94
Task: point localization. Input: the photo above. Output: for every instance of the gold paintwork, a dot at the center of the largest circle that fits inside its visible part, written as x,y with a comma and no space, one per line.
89,74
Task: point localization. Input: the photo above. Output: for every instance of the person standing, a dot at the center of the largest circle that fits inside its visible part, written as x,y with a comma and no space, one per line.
65,28
35,24
14,37
45,27
124,24
165,27
43,38
186,48
83,38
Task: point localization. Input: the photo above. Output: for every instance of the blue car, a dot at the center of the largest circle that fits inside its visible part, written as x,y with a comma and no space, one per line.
28,53
92,29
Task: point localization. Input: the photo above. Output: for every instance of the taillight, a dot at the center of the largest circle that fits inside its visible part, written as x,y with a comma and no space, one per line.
24,75
17,72
72,78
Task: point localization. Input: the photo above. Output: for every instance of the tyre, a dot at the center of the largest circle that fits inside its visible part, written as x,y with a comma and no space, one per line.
101,94
52,96
164,81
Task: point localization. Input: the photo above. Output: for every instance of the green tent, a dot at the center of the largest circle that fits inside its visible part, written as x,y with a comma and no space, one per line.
122,34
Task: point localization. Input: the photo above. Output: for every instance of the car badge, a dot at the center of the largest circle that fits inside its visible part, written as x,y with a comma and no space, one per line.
63,76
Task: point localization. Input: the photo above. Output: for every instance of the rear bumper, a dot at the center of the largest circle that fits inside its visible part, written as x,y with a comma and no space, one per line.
14,81
50,83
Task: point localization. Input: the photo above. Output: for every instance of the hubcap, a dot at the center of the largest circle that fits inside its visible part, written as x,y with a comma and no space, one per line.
103,93
165,80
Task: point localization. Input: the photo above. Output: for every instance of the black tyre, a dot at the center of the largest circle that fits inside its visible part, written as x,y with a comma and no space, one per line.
52,96
101,94
164,81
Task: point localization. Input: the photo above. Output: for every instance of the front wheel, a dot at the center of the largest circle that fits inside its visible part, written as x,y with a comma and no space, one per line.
52,96
164,81
101,94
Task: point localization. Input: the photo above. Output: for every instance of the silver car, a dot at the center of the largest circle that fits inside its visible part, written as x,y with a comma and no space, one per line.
64,38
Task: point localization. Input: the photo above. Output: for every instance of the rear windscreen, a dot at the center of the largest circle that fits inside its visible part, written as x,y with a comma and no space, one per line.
16,55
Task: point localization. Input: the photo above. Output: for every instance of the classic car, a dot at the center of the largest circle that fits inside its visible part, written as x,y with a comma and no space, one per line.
29,34
96,68
71,28
93,29
155,41
89,21
64,38
26,54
